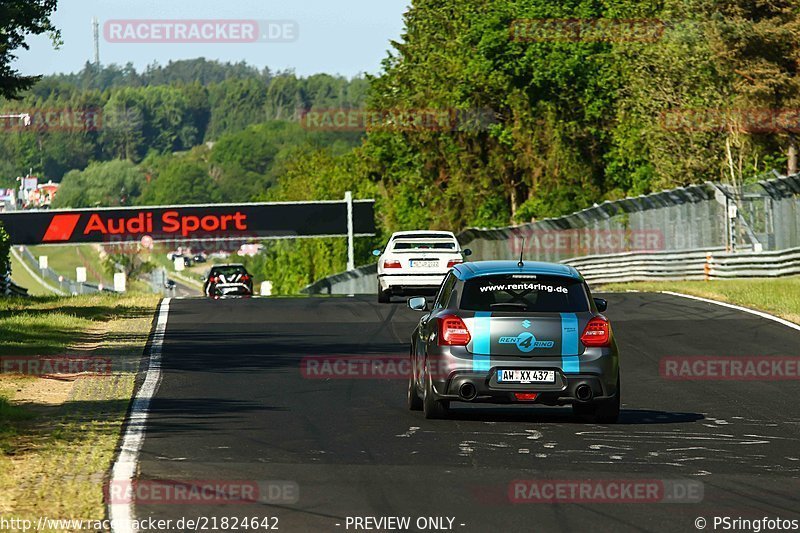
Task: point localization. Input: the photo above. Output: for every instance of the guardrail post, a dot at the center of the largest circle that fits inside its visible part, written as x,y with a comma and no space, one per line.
351,263
707,267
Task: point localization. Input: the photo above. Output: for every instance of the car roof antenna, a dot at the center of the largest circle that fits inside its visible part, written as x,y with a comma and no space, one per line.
521,251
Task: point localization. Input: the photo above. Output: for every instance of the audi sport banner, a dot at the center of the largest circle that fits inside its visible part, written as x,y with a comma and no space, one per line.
164,223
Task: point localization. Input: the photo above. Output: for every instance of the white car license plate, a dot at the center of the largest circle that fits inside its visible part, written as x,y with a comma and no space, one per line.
424,264
526,376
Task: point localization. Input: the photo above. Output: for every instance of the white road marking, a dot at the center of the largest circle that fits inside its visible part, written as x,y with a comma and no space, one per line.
124,470
738,308
409,432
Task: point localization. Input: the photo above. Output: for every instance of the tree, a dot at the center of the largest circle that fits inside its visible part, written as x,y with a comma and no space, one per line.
19,18
105,184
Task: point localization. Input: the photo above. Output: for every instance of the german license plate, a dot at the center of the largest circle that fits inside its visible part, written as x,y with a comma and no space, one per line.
526,376
424,264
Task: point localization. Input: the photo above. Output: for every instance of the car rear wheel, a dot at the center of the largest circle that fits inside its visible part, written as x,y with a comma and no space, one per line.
433,408
384,297
414,401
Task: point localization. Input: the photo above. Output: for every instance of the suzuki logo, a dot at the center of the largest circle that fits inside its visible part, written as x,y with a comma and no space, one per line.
526,324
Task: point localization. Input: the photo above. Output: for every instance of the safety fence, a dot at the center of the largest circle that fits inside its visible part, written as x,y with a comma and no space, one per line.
687,265
704,231
56,282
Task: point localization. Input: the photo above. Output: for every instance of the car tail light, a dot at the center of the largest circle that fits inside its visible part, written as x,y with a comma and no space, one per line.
454,262
453,331
213,279
597,333
391,263
245,277
526,396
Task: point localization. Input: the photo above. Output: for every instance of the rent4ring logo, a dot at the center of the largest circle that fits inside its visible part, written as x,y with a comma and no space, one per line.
62,227
526,342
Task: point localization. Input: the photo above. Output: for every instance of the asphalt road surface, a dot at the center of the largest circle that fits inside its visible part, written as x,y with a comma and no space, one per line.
234,405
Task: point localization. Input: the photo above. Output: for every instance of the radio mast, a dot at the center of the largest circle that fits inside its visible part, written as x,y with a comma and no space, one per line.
96,32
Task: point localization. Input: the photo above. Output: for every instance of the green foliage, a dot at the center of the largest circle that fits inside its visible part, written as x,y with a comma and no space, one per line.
183,179
19,19
5,250
111,183
163,110
133,265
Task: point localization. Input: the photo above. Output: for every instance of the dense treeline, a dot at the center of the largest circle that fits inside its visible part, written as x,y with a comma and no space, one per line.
690,90
485,113
109,113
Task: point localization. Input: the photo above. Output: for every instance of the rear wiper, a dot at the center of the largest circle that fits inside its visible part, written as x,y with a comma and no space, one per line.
522,306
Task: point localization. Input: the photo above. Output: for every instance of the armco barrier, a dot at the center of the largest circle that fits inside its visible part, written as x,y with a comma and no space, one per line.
362,280
686,265
9,288
708,264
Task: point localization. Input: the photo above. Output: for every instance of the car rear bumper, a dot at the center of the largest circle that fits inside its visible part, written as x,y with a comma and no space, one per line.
228,288
595,378
408,282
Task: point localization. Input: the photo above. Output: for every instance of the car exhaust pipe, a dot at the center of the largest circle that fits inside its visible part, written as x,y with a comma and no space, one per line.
584,392
467,392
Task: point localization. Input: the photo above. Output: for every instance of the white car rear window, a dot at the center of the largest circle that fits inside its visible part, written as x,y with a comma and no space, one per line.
423,245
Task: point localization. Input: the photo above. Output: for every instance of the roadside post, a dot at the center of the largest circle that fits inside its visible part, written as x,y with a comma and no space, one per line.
348,198
80,278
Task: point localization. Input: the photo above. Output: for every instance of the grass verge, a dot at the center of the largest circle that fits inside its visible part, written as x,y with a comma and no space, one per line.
58,433
780,297
23,278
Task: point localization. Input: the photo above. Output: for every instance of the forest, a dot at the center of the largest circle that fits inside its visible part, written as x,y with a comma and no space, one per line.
483,114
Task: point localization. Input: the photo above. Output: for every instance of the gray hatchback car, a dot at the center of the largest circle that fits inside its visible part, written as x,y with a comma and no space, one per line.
508,332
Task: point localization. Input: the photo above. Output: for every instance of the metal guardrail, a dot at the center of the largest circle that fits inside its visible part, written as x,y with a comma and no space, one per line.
361,280
714,263
55,280
9,288
688,265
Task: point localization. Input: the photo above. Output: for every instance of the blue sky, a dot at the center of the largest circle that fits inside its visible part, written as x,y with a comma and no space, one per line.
345,37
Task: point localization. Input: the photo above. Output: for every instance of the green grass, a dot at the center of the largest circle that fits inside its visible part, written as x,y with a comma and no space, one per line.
779,296
58,437
65,259
23,278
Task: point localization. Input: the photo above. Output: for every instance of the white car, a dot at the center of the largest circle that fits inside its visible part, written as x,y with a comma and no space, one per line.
415,262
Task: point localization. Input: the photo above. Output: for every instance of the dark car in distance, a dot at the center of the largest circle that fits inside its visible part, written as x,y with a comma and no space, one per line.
225,280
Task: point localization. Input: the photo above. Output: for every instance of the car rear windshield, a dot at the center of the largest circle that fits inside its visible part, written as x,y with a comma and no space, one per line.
525,294
423,245
228,271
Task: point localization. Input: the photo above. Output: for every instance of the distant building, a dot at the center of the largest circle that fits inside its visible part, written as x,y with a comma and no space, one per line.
32,195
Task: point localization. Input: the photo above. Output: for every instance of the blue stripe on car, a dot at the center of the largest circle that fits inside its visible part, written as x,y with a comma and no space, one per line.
570,362
481,341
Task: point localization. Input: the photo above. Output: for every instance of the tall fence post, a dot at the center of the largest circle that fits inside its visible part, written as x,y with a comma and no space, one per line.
348,198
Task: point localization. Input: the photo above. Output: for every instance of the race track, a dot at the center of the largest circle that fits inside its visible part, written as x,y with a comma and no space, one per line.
234,404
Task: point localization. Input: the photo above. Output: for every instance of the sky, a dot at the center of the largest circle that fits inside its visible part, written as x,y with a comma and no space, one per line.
346,37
